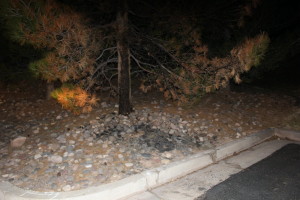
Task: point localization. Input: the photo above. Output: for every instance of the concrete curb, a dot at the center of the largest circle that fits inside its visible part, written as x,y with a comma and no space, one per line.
242,144
150,178
183,167
288,134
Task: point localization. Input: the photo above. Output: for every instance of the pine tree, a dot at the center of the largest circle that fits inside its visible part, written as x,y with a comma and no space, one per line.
166,48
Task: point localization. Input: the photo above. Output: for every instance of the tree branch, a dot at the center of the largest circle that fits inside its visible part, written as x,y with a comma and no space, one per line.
107,49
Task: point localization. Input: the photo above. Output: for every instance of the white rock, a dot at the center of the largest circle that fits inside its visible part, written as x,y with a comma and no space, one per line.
37,156
91,144
88,165
128,164
120,156
36,131
71,154
53,147
59,117
18,142
210,135
167,155
173,126
55,159
67,188
71,142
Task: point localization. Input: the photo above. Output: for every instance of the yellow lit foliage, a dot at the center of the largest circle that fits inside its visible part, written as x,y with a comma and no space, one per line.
75,99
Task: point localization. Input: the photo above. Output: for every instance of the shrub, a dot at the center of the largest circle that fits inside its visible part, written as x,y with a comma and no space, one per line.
74,99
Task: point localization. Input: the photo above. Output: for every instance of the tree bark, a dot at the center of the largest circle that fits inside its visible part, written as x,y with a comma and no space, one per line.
124,83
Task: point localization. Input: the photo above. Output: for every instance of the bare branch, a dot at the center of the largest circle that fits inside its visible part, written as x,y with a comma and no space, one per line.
101,65
160,64
103,51
138,62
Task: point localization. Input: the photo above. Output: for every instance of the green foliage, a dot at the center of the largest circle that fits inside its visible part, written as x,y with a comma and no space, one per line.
14,21
280,50
38,67
251,52
55,93
259,51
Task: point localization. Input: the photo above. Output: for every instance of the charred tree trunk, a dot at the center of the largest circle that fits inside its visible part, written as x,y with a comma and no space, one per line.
124,83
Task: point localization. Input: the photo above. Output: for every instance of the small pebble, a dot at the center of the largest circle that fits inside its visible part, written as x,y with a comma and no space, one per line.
128,164
37,156
67,188
88,165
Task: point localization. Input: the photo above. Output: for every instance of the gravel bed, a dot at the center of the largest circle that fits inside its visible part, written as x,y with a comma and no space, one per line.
63,152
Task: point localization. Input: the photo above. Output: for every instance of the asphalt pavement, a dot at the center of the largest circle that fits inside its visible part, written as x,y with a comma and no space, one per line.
276,177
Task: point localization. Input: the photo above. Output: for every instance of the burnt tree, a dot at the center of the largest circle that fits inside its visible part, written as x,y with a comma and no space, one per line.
124,82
